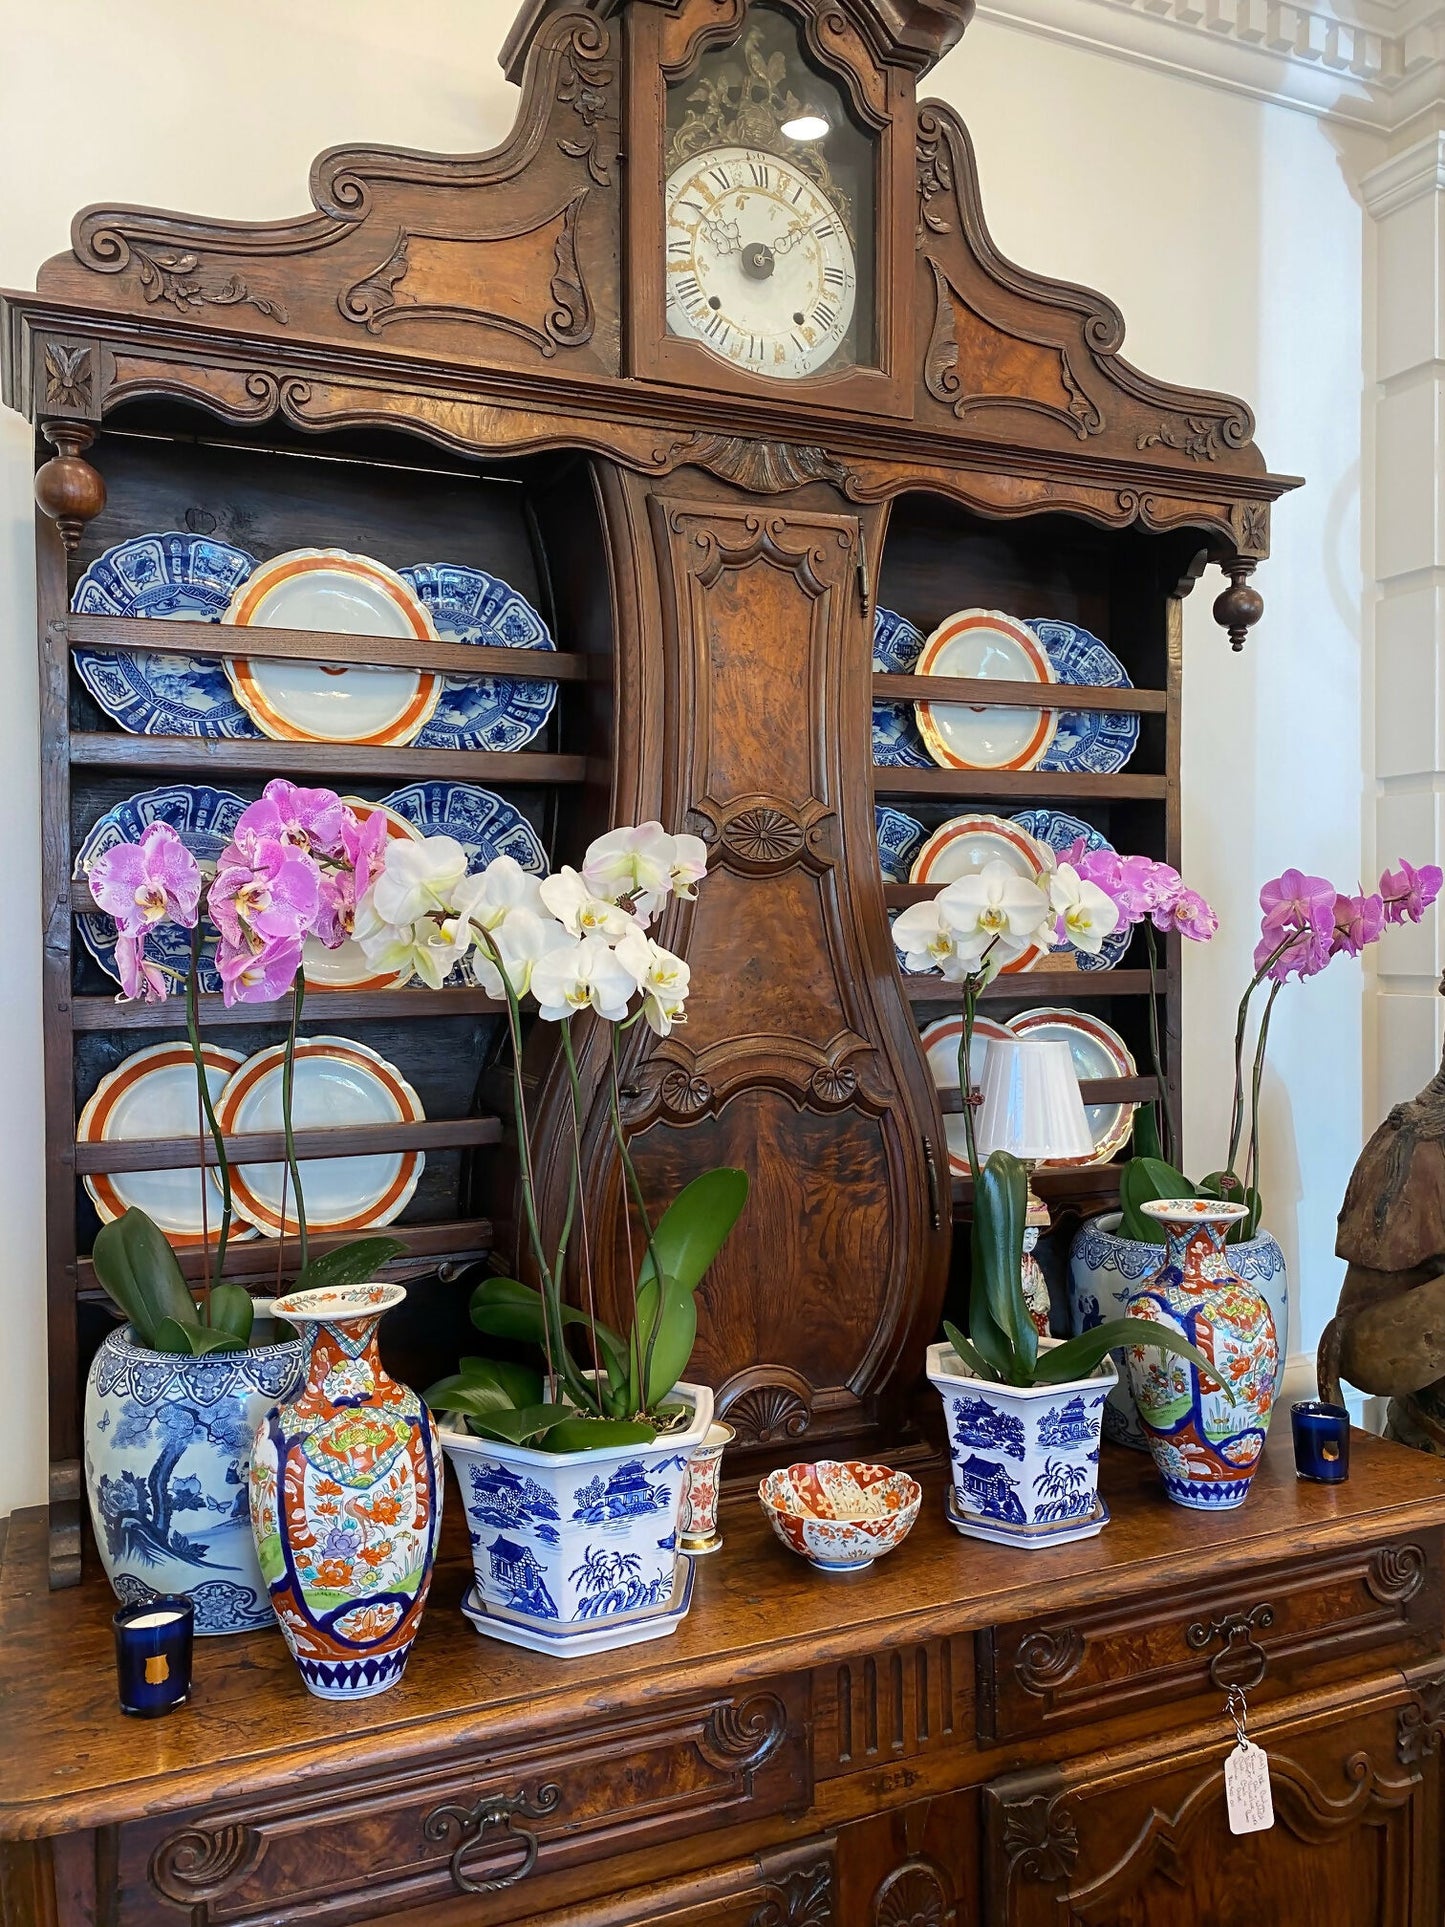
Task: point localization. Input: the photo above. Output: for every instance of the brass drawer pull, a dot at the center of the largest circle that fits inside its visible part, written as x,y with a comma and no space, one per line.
1241,1661
474,1823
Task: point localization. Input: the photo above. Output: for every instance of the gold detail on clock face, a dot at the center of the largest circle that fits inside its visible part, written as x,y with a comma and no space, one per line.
759,265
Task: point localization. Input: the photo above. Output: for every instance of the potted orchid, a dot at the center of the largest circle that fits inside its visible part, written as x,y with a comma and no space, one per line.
572,1469
175,1394
1305,923
1023,1411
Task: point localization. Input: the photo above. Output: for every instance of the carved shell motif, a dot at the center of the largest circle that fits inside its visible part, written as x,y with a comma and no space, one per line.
768,1413
913,1895
763,834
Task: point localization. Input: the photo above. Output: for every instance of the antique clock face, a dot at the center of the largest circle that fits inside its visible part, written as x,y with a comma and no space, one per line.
760,268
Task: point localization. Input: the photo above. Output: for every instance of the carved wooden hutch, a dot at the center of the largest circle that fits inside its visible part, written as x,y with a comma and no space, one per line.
511,360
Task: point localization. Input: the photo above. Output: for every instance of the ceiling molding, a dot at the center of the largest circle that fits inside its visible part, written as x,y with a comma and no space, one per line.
1366,63
1405,177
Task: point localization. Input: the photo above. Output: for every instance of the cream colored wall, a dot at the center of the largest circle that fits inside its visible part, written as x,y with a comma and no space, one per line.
1223,228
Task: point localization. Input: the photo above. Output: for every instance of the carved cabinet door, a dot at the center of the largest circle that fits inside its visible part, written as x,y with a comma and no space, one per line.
742,715
1141,1841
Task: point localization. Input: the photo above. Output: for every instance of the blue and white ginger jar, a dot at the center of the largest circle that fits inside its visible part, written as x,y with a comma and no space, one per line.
167,1453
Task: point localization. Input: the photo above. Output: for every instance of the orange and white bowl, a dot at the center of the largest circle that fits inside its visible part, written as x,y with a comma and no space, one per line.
840,1514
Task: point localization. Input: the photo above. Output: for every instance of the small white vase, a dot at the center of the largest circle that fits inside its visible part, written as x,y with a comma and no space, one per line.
577,1551
1025,1457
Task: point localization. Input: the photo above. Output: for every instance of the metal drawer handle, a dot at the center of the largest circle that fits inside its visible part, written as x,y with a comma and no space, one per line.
474,1823
1241,1661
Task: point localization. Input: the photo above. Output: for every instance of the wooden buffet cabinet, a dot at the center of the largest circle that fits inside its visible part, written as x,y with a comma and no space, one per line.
495,360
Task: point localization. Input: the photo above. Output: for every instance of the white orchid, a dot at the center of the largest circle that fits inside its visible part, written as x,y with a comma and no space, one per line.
927,942
581,914
429,947
418,879
489,897
581,973
997,913
643,866
518,945
1086,914
662,978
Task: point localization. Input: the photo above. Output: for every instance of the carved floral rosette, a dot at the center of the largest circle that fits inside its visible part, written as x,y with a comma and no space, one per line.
346,1500
167,1447
566,1542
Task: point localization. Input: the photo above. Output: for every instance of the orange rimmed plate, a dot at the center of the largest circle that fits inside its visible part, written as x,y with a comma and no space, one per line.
1098,1051
341,702
940,1041
338,1083
153,1094
988,646
962,847
348,967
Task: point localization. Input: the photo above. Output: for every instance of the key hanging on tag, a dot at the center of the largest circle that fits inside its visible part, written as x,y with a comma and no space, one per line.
1246,1774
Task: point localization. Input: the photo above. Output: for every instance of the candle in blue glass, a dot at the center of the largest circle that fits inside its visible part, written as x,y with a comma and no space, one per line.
153,1655
1321,1441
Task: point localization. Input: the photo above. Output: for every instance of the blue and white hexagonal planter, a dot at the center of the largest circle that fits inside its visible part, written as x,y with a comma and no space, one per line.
576,1552
1025,1457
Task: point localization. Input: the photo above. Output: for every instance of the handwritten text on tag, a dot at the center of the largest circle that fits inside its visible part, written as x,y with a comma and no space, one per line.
1246,1790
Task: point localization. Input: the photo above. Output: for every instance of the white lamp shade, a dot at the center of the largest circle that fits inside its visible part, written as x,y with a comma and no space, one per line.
1031,1102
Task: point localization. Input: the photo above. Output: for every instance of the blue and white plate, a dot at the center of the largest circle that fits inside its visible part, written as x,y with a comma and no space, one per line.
1086,741
205,820
1059,830
485,825
482,712
899,841
896,741
172,577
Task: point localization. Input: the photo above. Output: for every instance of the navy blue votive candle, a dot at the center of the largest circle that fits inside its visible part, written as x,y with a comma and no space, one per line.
153,1655
1321,1441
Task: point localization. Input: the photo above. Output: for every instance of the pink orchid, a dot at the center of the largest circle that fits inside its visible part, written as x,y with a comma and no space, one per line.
152,881
363,846
140,978
1304,955
1188,913
335,920
261,975
264,891
1358,921
1294,899
313,821
1408,893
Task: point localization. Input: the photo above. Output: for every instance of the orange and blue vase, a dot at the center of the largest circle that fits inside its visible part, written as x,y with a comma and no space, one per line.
1205,1430
346,1498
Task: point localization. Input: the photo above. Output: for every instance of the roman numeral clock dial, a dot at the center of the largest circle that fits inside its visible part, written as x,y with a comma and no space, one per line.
759,265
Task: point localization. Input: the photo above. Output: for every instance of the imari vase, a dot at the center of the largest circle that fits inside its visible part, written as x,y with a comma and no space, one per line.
1206,1447
346,1499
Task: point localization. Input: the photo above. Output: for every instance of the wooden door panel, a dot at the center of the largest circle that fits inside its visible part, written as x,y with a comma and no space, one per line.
1145,1842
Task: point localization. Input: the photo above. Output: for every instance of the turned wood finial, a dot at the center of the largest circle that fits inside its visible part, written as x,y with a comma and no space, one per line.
1240,606
67,488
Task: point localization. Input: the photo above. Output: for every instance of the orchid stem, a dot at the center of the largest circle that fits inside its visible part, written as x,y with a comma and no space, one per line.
965,1072
288,1080
1236,1123
1165,1100
575,1191
635,1188
1251,1163
193,1032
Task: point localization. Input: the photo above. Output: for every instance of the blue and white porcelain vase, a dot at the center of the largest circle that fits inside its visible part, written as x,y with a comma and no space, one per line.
167,1452
1206,1430
577,1551
1025,1457
1105,1273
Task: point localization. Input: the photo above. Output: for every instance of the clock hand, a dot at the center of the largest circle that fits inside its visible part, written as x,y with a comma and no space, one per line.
724,235
790,237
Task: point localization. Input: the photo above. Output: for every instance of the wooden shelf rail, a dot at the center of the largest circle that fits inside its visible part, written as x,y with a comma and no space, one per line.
429,1247
268,1147
981,693
1093,1090
102,749
1094,1184
986,785
322,1006
319,645
1037,987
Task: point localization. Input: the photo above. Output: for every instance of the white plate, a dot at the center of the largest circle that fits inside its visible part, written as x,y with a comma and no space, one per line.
153,1094
332,702
964,845
338,1084
974,1526
624,1629
940,1047
347,967
1097,1051
986,645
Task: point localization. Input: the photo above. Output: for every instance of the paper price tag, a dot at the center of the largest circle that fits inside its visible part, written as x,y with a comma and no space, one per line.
1246,1790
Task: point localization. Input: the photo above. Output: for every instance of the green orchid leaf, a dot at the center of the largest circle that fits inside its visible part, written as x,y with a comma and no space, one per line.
1000,1204
1146,1133
506,1308
1144,1181
522,1384
502,1421
1078,1357
233,1312
139,1271
987,1337
672,1346
1230,1188
203,1341
587,1434
692,1230
347,1265
967,1355
192,1341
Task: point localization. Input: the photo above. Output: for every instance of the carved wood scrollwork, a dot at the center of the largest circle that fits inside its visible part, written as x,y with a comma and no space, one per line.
802,1898
1046,1659
991,368
766,1404
201,1864
1421,1723
763,468
1040,1838
584,84
70,377
1250,521
739,1736
1396,1574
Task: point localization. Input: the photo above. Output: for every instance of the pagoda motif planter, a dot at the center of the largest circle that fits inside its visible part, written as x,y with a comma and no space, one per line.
346,1499
577,1551
1206,1447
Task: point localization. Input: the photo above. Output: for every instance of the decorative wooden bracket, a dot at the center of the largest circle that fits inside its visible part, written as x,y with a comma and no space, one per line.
1241,605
